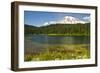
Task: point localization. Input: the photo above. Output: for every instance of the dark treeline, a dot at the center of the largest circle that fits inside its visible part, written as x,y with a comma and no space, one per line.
67,29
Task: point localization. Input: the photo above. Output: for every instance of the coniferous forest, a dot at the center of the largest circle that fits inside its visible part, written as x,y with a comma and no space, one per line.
60,29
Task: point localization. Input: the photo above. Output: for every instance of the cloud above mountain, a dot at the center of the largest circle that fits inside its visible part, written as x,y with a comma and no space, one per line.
46,23
87,18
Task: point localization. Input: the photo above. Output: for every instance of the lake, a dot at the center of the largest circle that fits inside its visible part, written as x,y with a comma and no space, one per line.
44,39
37,43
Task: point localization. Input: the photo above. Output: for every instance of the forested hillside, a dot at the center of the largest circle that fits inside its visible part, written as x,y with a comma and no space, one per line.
59,29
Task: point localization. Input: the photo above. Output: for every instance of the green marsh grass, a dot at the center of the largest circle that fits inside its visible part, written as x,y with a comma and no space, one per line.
61,52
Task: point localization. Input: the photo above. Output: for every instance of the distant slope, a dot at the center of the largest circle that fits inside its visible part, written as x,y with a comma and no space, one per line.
29,29
68,29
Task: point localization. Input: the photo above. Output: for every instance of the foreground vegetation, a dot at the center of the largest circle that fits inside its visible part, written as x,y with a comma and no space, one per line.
61,52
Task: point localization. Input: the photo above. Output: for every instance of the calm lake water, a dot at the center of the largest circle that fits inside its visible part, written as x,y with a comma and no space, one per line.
61,39
37,43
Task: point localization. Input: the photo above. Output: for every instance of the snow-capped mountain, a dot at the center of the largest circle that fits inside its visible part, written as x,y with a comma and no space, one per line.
66,20
71,20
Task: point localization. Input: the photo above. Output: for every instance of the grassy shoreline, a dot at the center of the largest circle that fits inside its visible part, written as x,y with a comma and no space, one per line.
61,52
68,35
61,34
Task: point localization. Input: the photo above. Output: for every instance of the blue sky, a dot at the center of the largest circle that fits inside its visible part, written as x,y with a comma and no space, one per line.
38,18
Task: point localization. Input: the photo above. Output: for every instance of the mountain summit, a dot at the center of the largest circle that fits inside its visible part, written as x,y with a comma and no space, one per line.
66,20
71,20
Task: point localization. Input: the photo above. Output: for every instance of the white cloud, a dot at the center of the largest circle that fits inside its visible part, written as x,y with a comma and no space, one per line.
46,23
29,24
49,23
87,18
52,22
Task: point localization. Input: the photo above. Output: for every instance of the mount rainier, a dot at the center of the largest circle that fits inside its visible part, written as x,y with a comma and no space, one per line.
66,20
